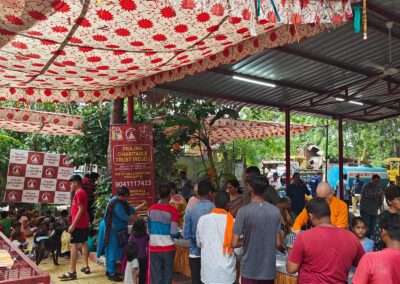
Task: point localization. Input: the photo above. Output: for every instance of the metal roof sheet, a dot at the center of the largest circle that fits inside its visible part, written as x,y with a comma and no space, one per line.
310,75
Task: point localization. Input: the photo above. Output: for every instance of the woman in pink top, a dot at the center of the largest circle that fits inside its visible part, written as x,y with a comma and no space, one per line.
382,266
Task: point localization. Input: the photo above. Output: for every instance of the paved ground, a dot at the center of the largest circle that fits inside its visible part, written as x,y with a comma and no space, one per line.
96,277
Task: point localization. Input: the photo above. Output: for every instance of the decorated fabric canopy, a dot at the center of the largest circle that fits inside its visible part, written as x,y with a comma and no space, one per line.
40,122
227,130
92,50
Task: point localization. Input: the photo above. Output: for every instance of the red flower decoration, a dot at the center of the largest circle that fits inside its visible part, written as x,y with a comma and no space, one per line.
105,15
221,37
181,28
47,42
133,68
203,17
137,43
191,38
36,15
170,46
246,14
81,94
159,37
34,33
156,60
145,24
126,60
19,45
14,20
47,92
59,29
103,67
122,32
100,38
217,9
94,59
97,94
127,5
83,22
60,6
64,94
30,91
242,30
6,32
168,12
75,40
85,48
69,63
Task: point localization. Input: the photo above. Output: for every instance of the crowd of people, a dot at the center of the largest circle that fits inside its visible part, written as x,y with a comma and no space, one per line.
235,234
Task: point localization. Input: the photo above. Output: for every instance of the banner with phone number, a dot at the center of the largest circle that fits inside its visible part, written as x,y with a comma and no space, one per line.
133,162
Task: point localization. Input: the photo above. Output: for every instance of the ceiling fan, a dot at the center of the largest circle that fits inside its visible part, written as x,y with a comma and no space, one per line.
388,69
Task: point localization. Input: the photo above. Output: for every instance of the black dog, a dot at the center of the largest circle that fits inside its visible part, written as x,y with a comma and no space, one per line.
52,245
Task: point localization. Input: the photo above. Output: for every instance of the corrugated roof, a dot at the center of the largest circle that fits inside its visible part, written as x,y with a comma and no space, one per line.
312,74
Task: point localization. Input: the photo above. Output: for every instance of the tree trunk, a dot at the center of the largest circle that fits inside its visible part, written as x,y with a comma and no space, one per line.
116,117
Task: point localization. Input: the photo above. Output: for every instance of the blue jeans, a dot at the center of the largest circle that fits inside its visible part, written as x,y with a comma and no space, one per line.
162,267
371,222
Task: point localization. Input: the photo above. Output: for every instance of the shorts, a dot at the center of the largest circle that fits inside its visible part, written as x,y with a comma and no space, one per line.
79,236
244,280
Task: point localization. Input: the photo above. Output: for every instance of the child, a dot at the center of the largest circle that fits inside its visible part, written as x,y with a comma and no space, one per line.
132,265
359,228
19,241
140,237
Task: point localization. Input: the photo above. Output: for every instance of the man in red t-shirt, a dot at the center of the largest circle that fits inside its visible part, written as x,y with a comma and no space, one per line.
325,253
382,266
79,228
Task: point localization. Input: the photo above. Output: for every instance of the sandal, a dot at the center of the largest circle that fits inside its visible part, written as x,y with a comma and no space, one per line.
85,270
68,276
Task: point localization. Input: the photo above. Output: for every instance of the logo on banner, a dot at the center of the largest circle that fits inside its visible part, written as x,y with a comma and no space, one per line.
31,184
65,161
35,159
63,185
16,170
45,197
12,196
49,172
130,134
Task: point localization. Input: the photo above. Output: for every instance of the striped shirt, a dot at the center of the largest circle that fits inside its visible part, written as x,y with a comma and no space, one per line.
192,217
163,227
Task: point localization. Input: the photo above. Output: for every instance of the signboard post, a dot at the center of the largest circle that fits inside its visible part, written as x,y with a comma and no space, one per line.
35,177
133,161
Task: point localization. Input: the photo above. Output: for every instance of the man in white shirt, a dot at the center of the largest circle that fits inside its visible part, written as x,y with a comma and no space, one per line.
214,235
275,181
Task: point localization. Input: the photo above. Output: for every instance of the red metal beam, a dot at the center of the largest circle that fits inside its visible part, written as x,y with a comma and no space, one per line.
341,184
131,107
287,146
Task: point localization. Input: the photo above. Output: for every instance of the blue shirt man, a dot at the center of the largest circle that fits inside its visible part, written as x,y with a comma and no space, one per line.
203,207
314,182
297,192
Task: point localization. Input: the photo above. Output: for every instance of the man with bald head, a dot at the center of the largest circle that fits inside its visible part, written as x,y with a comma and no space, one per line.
339,210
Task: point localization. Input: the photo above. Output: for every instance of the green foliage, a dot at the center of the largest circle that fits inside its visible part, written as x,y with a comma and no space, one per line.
103,195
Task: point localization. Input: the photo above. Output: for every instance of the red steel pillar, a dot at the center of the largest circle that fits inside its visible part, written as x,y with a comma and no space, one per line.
341,185
287,146
130,113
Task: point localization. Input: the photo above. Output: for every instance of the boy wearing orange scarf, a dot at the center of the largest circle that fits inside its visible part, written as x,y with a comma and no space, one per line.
214,237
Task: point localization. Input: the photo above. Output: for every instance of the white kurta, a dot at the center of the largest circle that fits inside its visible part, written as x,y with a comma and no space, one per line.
216,267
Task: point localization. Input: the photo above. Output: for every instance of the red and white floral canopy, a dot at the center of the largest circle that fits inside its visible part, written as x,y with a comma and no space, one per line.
227,130
92,50
40,122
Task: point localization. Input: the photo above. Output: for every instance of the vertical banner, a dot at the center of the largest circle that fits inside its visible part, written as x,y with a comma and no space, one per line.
133,161
35,177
